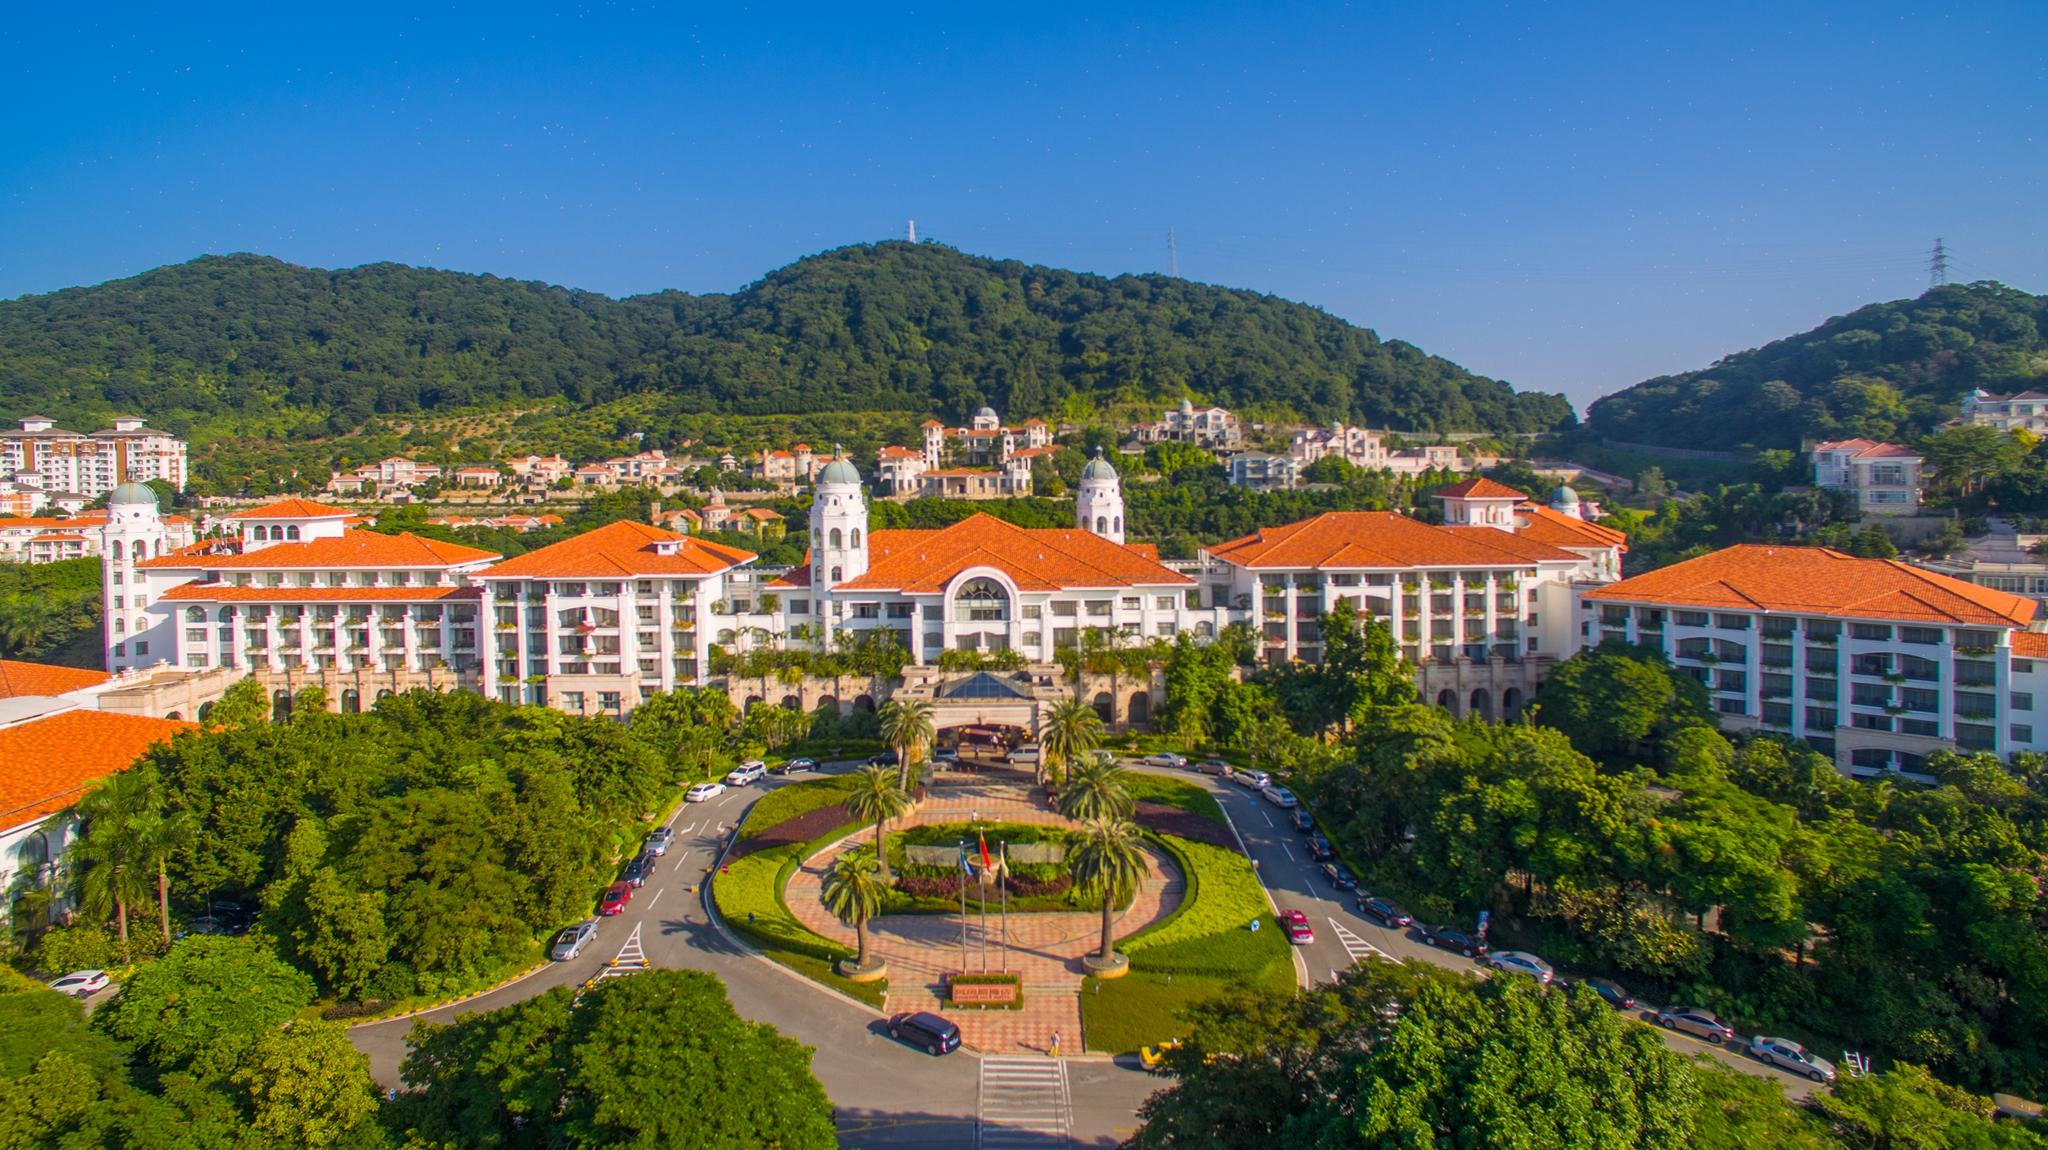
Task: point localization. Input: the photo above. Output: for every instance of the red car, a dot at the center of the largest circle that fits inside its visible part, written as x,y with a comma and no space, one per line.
616,896
1296,925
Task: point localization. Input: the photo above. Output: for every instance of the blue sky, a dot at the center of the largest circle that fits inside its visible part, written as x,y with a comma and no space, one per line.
1571,198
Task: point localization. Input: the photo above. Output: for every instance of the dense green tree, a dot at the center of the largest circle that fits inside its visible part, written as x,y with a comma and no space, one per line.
1361,671
304,1084
877,796
1615,702
204,1003
50,612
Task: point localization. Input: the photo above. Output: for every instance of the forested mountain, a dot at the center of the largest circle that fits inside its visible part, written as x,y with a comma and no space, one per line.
246,345
1888,370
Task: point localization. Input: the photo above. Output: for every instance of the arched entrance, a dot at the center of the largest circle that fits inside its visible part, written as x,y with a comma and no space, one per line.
1448,700
1510,703
351,702
1140,710
828,704
792,703
1482,704
864,703
280,706
176,716
752,702
1105,708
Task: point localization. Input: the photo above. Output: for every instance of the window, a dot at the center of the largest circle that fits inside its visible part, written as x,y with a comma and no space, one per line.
1163,602
1871,722
1133,602
981,601
1729,706
1732,622
1920,699
1928,728
1976,704
1098,608
2022,733
2022,701
142,648
1821,718
1924,635
1871,632
1692,618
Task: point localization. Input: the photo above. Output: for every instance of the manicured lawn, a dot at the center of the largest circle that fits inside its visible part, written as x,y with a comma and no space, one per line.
785,803
1143,1007
749,897
1174,793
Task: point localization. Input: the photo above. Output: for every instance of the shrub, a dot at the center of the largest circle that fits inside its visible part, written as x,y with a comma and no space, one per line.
70,948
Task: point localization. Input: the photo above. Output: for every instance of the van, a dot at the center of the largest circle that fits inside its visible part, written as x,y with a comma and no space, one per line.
1025,755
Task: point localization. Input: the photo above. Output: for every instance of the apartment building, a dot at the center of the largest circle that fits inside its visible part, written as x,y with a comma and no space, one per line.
2022,411
1363,447
43,539
93,464
1872,661
1883,478
1212,427
1261,471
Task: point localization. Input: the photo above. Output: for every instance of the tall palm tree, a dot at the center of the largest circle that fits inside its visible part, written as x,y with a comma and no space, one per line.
907,726
853,890
154,837
1108,859
1097,791
112,869
1068,732
108,881
876,798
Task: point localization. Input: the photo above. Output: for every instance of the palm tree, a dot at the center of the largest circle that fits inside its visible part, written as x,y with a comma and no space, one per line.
907,726
1108,859
1096,791
853,890
107,880
876,798
112,868
154,837
1069,731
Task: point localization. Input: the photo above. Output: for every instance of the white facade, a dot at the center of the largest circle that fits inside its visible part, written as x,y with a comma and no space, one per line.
94,464
2024,411
1099,500
1210,427
1883,478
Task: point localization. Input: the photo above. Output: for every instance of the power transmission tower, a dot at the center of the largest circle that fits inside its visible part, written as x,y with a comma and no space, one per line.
1937,265
913,231
1172,255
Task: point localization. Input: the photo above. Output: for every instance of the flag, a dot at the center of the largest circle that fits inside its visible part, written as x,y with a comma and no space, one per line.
983,839
966,865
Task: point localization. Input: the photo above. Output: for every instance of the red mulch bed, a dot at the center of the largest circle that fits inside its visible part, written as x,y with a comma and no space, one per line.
1168,820
801,829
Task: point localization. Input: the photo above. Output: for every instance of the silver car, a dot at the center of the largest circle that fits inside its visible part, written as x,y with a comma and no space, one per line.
1696,1022
658,840
571,940
1789,1055
1522,962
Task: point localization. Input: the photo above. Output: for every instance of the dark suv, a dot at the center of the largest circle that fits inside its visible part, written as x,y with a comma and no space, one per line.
1302,820
1453,939
1319,848
1386,912
934,1034
640,869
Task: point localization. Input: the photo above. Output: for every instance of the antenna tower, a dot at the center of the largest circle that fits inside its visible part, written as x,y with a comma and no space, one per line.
1937,265
913,231
1172,255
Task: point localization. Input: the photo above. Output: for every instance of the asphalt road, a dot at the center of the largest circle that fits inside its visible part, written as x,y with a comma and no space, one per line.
889,1096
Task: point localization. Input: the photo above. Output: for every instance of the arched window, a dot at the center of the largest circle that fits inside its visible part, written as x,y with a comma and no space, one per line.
351,701
856,537
838,538
292,532
836,576
120,625
195,614
176,716
205,711
1119,524
259,533
138,550
1101,525
981,601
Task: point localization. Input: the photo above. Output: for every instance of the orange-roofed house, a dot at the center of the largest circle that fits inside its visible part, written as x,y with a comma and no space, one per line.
1873,661
53,751
296,596
1883,478
597,622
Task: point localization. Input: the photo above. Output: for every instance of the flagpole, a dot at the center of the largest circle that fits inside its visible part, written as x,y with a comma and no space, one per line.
1005,880
965,870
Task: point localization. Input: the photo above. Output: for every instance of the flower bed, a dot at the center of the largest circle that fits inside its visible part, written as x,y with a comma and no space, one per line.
1162,819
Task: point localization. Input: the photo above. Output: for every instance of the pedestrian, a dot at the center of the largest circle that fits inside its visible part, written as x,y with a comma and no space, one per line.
974,816
1055,1048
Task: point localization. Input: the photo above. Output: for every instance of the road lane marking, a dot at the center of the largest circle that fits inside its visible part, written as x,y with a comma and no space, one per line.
1022,1102
688,829
655,899
630,959
1353,945
1289,850
1269,819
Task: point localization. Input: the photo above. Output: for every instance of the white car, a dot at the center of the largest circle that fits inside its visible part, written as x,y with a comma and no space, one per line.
1279,796
1251,780
1167,759
1789,1055
1522,962
746,772
80,983
703,792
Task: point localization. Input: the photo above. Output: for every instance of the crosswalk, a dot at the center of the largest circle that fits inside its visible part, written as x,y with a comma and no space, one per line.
631,959
1023,1104
1353,945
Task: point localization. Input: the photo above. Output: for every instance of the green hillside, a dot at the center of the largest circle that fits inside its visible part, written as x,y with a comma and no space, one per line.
245,346
1888,370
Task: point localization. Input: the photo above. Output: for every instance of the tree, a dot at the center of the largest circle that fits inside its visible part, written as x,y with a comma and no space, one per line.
1108,860
1096,791
1613,701
156,833
203,1003
1906,1108
853,889
1361,671
907,726
306,1085
1070,730
876,798
122,823
245,704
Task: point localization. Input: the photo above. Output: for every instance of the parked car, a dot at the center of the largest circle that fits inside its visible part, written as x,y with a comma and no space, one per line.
747,772
1215,767
81,983
1024,756
640,870
658,841
927,1030
1319,848
1340,876
1251,780
1280,797
1167,759
703,792
1522,962
1386,912
1789,1055
1302,820
794,766
1295,923
885,759
1611,993
616,896
1696,1022
1452,939
570,940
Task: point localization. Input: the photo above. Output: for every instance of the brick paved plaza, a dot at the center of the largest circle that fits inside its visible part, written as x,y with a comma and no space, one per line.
1045,947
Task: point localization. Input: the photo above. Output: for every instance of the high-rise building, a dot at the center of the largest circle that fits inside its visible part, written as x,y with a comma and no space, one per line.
94,464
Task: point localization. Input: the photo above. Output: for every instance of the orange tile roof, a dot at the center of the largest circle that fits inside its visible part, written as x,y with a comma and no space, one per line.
1480,488
225,593
1042,559
894,452
351,549
1033,452
1819,581
2030,644
1560,530
44,679
1382,539
796,577
1868,448
50,762
618,549
46,523
761,513
292,509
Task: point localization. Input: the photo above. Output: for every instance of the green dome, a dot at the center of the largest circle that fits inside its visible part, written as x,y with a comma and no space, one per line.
133,494
840,470
1098,468
1564,496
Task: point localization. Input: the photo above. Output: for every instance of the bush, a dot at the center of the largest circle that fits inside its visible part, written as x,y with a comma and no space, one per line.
70,948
